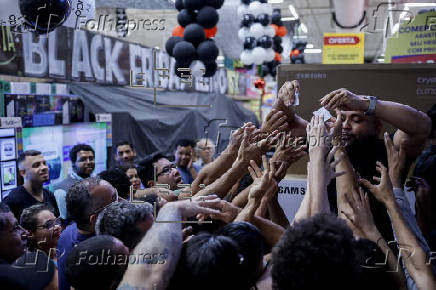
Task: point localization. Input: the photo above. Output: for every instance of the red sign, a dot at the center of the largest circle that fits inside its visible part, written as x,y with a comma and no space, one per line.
341,40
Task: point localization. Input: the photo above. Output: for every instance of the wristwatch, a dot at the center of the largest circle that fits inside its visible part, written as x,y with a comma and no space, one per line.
371,107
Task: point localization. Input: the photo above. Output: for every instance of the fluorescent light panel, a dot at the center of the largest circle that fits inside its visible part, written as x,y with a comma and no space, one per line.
422,4
293,11
312,50
309,45
288,18
275,1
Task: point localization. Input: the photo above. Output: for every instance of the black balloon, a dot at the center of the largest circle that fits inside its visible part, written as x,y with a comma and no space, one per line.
171,42
193,4
276,18
217,4
247,20
207,51
186,17
278,48
273,64
265,70
263,1
179,5
248,67
263,19
210,69
266,41
207,17
184,52
273,71
44,15
246,2
277,40
194,33
249,43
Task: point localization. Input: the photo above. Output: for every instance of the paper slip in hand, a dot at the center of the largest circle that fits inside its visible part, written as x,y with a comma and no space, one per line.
323,112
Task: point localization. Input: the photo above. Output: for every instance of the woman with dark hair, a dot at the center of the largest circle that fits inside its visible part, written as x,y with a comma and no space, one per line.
44,229
131,171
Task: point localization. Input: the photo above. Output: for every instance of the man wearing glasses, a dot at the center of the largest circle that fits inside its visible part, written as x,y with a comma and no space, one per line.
158,170
82,157
85,200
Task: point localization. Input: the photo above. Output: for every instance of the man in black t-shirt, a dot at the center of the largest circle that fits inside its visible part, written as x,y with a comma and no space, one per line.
362,118
33,168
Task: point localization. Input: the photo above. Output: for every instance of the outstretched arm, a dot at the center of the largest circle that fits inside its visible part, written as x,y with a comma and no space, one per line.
165,239
403,117
414,256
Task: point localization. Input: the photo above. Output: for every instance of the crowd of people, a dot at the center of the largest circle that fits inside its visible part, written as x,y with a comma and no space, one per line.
215,222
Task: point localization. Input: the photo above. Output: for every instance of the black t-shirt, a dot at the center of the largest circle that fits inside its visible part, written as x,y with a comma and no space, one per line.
363,156
19,199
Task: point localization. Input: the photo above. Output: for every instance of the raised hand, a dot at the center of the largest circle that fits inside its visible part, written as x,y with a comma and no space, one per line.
275,120
360,216
287,153
236,138
199,204
262,181
344,100
288,92
396,161
228,212
382,191
250,150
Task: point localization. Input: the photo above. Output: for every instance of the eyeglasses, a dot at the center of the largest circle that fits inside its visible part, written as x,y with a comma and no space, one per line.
17,227
166,170
210,148
51,224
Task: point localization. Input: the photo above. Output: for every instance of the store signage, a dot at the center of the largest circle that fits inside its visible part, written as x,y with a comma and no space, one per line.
343,48
10,122
78,55
415,42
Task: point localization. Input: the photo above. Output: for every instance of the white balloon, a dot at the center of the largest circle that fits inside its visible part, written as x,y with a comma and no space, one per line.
266,8
197,68
270,54
256,30
259,54
243,9
269,31
255,8
247,57
243,33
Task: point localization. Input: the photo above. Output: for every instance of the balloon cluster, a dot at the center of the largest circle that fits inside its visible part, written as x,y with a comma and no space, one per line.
280,31
191,43
256,32
44,16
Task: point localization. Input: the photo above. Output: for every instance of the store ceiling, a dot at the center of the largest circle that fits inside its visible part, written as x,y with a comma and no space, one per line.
315,14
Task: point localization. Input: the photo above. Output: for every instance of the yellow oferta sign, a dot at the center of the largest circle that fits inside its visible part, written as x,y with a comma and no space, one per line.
343,48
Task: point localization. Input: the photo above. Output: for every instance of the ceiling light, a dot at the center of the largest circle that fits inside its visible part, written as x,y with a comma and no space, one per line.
288,18
420,4
293,11
395,28
309,45
275,1
303,27
312,50
220,57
